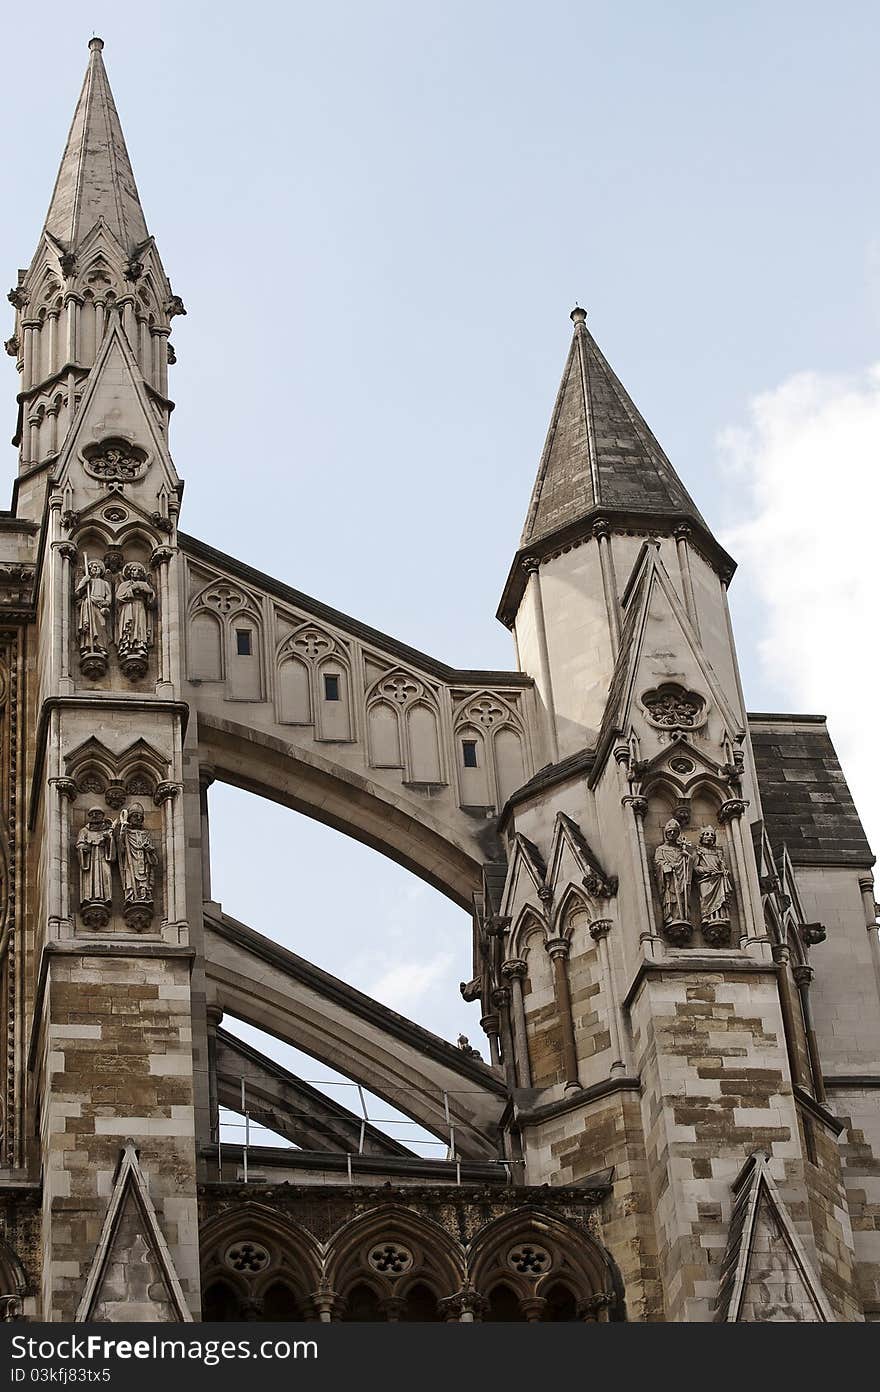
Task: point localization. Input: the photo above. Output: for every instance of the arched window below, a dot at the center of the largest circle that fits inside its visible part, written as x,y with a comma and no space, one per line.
421,1305
504,1306
561,1303
362,1305
279,1303
220,1304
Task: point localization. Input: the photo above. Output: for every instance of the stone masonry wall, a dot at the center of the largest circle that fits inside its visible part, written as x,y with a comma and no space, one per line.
119,1064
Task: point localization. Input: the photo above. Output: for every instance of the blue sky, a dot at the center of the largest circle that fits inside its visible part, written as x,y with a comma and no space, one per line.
379,216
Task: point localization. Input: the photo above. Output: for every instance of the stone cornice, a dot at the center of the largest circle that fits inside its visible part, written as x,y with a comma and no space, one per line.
650,524
714,963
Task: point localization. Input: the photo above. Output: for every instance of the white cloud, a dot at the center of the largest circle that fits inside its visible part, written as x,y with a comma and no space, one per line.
403,985
809,464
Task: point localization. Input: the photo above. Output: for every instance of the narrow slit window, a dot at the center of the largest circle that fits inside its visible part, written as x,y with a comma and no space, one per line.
243,642
331,687
469,753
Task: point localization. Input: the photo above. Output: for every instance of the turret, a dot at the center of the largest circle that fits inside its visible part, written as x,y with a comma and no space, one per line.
95,265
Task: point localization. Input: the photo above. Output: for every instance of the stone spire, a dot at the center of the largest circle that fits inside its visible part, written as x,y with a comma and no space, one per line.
95,179
599,453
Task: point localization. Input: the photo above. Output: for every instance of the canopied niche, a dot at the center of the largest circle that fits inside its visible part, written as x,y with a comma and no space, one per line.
690,858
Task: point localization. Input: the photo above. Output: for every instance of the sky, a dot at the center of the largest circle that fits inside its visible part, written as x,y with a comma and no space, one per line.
379,216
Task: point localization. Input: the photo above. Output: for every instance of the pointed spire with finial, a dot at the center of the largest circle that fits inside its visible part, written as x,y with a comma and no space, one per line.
95,179
599,453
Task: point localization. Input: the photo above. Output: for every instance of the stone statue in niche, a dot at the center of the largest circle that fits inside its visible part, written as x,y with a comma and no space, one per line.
673,867
137,865
94,597
715,887
135,597
96,852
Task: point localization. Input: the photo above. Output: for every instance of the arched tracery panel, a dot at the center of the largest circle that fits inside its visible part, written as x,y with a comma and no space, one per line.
531,1265
257,1266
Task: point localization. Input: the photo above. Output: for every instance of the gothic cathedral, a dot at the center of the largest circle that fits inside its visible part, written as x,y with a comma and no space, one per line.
675,938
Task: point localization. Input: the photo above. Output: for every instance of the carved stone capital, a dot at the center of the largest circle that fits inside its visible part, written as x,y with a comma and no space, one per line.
545,894
501,997
622,752
514,968
558,947
781,953
802,974
530,565
812,933
591,1308
601,528
682,532
497,925
600,928
161,522
70,519
678,931
160,556
115,794
489,1023
327,1302
533,1307
639,806
165,792
733,807
65,787
392,1308
465,1301
600,886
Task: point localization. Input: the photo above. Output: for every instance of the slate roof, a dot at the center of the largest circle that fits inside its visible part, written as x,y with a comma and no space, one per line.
95,179
599,451
807,804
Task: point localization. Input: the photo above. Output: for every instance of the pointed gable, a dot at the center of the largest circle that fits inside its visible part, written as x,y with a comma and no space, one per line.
95,179
116,404
132,1276
766,1276
599,451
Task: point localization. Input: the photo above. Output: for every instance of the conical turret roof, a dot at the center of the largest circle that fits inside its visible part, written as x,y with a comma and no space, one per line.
95,179
599,453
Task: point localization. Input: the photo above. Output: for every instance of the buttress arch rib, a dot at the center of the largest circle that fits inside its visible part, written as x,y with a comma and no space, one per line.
269,987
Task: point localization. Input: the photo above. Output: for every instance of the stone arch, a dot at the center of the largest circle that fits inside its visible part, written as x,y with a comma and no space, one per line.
393,1250
531,1250
529,923
485,717
572,897
249,1250
13,1280
307,780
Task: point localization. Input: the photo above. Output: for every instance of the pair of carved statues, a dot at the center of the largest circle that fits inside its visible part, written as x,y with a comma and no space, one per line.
132,627
677,864
127,844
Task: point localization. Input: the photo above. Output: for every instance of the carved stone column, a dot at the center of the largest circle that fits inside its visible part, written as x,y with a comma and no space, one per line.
164,797
159,561
751,908
682,536
782,956
213,1020
515,971
66,791
501,997
206,778
639,806
602,533
866,889
803,975
599,930
328,1306
558,949
531,566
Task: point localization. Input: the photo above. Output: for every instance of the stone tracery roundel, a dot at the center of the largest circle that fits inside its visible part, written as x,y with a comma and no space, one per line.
529,1259
670,706
248,1257
390,1258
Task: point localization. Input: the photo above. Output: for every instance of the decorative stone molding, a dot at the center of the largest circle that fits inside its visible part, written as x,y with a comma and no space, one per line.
733,807
464,1303
670,707
558,947
803,974
165,792
115,461
812,933
600,928
594,1306
514,968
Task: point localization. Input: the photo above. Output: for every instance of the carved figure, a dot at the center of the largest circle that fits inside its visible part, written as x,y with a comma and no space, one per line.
94,597
95,852
135,597
715,886
137,865
673,867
